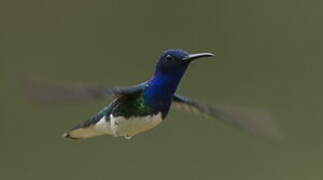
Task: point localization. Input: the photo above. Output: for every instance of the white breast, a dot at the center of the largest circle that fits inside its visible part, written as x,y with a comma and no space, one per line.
121,126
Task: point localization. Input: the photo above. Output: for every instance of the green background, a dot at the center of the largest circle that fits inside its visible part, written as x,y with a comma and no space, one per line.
269,56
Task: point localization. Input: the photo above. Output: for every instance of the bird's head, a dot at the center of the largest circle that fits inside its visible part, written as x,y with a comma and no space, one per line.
174,62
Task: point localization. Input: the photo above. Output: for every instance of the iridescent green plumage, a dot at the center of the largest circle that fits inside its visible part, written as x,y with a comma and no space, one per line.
132,106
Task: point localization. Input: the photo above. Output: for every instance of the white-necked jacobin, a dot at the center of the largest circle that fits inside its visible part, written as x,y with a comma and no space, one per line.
139,108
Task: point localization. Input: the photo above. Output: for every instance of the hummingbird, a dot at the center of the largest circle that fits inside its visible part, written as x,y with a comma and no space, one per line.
139,108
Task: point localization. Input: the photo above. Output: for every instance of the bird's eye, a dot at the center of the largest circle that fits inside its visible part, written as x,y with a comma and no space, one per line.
169,57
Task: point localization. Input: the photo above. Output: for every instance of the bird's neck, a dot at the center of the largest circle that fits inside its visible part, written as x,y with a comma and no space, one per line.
160,90
165,85
166,80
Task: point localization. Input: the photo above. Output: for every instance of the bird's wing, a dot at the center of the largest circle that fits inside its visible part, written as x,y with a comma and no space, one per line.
255,121
73,93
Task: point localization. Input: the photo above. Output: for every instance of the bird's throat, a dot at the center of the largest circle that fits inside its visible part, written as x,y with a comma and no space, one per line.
165,85
160,92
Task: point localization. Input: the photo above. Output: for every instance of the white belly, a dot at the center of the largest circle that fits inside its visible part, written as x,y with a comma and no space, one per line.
121,126
118,126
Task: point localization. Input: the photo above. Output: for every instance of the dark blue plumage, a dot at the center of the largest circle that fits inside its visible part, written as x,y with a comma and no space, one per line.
167,75
169,70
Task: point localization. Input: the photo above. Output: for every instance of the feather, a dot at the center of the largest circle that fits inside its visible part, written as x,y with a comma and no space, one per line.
257,122
44,92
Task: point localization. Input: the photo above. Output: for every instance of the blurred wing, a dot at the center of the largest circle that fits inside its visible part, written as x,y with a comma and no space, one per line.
254,121
72,93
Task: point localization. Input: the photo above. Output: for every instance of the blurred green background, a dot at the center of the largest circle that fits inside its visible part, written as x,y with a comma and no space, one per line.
269,56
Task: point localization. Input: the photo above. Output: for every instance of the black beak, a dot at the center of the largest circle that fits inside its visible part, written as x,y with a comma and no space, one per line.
192,57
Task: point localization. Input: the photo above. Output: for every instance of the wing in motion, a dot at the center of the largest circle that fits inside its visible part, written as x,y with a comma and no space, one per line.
43,92
256,122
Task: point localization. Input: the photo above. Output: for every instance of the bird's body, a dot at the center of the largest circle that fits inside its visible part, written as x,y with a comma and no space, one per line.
142,107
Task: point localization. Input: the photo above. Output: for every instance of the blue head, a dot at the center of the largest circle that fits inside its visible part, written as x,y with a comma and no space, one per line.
171,64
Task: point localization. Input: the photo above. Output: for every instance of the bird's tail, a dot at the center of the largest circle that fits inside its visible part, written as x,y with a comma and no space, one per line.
78,132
